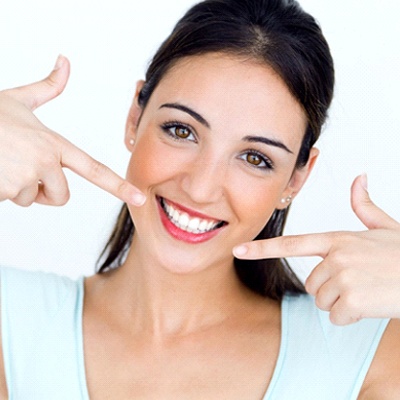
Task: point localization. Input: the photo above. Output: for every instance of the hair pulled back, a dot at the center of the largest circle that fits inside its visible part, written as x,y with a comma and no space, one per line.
277,33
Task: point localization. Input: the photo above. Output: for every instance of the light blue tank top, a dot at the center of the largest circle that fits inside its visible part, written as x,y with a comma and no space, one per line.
41,316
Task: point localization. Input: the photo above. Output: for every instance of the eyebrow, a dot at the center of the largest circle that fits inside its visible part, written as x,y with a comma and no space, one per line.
189,111
203,121
267,141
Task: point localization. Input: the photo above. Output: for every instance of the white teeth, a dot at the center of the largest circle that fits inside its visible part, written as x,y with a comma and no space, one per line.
194,224
203,225
174,214
183,221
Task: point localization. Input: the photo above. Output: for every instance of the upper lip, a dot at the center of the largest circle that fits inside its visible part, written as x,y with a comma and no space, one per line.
192,213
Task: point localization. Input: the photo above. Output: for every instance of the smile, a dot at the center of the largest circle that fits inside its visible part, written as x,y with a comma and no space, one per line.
186,225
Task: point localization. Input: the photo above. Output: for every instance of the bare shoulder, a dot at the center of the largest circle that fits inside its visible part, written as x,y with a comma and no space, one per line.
383,379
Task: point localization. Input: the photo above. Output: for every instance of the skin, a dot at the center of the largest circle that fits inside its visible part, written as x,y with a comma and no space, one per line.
206,173
185,294
172,303
36,176
178,302
348,289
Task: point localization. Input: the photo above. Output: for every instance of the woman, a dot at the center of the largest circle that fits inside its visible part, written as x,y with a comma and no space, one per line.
221,135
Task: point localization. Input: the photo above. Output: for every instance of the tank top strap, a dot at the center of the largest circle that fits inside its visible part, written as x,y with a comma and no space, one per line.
319,360
41,318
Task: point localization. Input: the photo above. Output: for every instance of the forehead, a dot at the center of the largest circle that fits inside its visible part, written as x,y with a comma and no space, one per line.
233,93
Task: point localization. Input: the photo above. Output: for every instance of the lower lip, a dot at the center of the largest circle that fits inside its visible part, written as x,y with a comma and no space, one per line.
182,235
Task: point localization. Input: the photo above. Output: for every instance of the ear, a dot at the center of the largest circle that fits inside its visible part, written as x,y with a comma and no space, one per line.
133,118
297,180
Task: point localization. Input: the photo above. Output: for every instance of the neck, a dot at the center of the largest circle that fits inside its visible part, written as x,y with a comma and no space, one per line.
160,303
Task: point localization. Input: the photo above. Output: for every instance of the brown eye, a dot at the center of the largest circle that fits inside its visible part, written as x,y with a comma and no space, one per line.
182,132
257,160
178,131
254,159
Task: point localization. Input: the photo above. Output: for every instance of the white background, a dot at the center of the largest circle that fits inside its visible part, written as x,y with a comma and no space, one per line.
109,45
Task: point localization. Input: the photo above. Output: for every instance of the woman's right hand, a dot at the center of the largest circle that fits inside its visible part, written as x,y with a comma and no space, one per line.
32,156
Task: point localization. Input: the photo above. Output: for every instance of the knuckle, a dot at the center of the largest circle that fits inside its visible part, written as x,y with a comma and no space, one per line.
346,278
63,199
360,203
346,239
22,202
310,285
49,161
352,302
321,303
337,319
258,247
122,187
290,244
54,86
57,195
10,193
49,142
97,169
339,237
337,260
26,203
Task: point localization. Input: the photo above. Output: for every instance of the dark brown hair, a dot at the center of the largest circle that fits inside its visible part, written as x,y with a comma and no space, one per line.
281,35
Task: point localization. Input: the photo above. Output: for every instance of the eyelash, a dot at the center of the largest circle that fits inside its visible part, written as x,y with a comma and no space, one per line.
166,127
268,164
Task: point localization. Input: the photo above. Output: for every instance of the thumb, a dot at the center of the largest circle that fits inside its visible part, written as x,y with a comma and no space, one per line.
36,94
368,213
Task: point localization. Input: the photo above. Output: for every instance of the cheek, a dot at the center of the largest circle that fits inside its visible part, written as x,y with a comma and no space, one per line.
146,164
256,200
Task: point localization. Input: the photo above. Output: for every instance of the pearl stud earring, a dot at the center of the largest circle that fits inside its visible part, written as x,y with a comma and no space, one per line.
287,200
131,141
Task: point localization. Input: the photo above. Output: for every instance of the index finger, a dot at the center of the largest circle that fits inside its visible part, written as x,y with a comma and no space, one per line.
99,174
317,244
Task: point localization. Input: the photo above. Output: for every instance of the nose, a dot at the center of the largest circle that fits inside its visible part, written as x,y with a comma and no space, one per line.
204,180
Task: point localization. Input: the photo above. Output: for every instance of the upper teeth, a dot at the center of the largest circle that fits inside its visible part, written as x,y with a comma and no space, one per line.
183,221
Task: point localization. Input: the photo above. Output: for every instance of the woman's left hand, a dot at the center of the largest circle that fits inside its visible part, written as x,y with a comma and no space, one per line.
359,276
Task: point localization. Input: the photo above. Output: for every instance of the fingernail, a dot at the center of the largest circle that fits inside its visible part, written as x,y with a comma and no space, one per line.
364,181
240,251
138,199
59,63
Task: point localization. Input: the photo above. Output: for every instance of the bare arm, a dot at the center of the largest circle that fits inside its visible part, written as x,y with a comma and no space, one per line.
32,157
3,384
383,379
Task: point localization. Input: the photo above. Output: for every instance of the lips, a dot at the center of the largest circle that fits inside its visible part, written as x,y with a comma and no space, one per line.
187,225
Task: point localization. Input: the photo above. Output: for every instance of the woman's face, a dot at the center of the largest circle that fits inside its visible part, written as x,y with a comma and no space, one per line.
214,152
